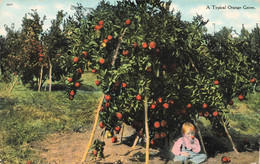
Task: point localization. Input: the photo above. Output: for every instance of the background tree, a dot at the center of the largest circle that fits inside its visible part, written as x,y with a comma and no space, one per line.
33,57
248,44
11,60
55,45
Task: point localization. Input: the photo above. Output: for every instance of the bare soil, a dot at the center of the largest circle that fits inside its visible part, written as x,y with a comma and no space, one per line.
69,148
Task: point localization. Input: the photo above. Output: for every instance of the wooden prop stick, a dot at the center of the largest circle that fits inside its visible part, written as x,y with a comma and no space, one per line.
94,129
230,138
135,142
100,103
122,133
199,133
146,130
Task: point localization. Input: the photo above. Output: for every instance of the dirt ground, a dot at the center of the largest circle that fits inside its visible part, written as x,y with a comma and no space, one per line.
69,148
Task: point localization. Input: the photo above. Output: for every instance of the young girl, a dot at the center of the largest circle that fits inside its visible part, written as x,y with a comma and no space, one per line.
187,148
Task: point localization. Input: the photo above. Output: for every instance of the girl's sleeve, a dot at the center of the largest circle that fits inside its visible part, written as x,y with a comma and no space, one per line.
176,149
196,146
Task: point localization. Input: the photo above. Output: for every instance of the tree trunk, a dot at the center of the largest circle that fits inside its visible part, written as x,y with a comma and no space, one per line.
50,72
146,129
12,86
40,83
229,136
199,133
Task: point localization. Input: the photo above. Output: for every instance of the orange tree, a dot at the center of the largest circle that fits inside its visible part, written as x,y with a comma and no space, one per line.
32,55
10,53
143,50
248,44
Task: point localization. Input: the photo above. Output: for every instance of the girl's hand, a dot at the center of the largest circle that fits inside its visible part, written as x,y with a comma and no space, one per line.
185,154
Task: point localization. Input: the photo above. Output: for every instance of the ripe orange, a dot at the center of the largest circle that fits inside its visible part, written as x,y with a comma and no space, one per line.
77,84
72,93
119,115
139,97
240,97
205,105
216,82
101,125
70,80
105,41
114,139
102,61
160,100
135,45
189,106
107,98
152,142
215,113
128,22
107,105
125,52
40,59
109,37
101,22
165,105
123,85
163,134
97,82
253,80
206,114
163,123
171,102
157,124
152,45
97,27
85,54
117,128
153,106
145,45
95,152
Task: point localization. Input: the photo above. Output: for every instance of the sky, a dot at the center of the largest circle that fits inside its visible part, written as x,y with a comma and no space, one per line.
229,13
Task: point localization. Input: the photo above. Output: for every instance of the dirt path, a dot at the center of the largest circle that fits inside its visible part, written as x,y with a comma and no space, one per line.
69,148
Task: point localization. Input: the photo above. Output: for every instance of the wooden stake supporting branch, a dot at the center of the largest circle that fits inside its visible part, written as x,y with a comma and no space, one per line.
135,142
146,130
199,133
101,101
122,133
94,129
229,136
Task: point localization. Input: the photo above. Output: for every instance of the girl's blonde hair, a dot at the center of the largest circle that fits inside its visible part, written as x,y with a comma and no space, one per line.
186,126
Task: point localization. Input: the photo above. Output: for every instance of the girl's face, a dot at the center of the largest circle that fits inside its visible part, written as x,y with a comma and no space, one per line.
189,133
